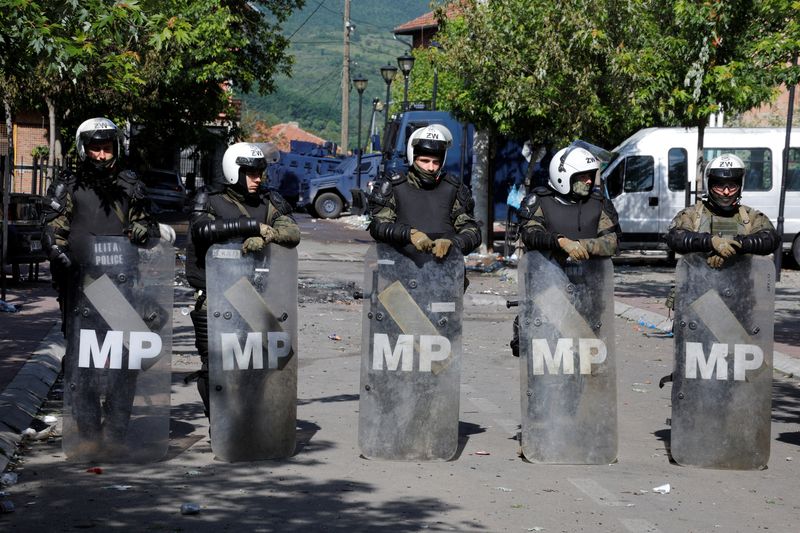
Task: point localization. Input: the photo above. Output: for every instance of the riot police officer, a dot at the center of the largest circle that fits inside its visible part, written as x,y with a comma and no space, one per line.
425,210
240,211
719,224
724,301
100,199
568,219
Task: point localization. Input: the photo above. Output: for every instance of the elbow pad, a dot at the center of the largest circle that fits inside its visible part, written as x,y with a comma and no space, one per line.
390,232
540,240
224,229
763,242
684,242
467,241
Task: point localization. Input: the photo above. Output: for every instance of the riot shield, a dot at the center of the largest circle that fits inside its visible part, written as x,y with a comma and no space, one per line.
252,351
567,356
722,379
119,346
411,355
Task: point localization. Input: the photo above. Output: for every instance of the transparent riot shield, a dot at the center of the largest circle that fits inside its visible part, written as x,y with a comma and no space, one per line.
567,356
252,345
722,378
119,349
411,355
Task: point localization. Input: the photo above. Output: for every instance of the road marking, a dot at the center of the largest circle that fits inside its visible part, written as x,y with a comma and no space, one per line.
597,493
639,525
487,406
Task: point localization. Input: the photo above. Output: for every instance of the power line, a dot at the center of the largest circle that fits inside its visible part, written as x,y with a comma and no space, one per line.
359,21
307,19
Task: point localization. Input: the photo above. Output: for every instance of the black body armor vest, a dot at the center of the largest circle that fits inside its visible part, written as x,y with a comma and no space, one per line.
574,221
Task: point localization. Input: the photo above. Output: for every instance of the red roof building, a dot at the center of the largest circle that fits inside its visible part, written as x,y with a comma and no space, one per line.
282,134
423,28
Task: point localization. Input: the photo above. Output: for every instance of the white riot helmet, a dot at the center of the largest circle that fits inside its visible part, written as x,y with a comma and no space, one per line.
97,130
568,163
241,156
725,168
430,140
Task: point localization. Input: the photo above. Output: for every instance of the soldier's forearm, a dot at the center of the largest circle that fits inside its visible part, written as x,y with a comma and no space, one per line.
287,232
208,232
685,241
537,238
762,242
604,246
390,232
468,239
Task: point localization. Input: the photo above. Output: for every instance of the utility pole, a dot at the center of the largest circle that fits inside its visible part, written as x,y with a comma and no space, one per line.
346,79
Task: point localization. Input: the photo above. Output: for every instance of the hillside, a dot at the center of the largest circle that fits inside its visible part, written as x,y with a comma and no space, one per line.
312,96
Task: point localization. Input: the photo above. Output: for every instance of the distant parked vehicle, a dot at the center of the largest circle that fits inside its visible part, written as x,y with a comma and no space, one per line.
329,195
303,162
165,189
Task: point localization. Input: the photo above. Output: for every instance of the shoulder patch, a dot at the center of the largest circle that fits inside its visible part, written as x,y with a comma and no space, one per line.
397,179
283,207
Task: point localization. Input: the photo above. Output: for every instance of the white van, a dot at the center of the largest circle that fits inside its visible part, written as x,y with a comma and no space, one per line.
646,178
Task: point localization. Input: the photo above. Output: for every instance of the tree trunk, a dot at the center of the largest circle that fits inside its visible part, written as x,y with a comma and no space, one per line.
51,156
480,185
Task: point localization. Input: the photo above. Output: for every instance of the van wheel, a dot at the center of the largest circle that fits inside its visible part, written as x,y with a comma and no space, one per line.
796,249
328,205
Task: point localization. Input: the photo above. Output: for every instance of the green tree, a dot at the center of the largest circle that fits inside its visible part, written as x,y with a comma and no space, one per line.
168,64
703,57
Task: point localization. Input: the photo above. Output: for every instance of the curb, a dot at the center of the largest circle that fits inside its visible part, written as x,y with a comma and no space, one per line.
781,362
27,392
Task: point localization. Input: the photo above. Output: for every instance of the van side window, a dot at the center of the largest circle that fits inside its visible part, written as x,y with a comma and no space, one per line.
639,173
678,165
793,170
758,162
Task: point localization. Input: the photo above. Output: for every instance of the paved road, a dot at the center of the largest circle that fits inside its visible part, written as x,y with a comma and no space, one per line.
327,486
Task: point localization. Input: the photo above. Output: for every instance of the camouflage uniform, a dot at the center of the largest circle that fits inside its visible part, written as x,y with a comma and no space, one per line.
385,227
540,234
692,228
239,217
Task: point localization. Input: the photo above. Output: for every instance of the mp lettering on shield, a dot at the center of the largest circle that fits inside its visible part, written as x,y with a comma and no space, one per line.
122,319
562,360
432,348
722,324
238,357
141,345
745,357
255,312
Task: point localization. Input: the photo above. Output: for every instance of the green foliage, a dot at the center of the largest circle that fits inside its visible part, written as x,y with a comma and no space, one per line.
312,96
164,63
601,69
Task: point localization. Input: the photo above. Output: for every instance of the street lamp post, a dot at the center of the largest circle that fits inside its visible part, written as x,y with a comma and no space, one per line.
388,73
406,63
360,83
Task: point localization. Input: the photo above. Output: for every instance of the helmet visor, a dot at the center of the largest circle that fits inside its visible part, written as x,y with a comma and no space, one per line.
258,164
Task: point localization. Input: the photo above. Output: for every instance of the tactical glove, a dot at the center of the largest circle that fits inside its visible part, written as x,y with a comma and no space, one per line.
421,242
724,246
268,233
715,261
253,244
575,249
59,256
441,247
137,232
